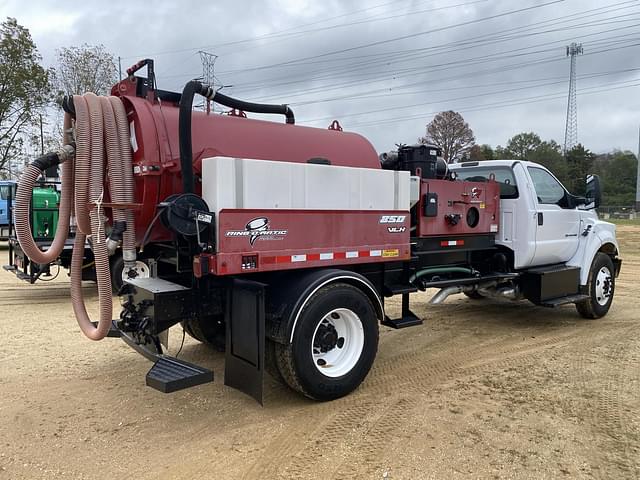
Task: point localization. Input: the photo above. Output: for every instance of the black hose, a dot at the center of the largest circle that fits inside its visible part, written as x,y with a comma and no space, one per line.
67,105
46,161
184,134
184,122
255,107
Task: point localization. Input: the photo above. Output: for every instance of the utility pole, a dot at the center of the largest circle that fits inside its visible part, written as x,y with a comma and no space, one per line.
41,137
119,68
638,176
571,128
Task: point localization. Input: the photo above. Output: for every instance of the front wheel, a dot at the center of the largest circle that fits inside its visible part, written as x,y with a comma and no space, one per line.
600,288
118,274
334,343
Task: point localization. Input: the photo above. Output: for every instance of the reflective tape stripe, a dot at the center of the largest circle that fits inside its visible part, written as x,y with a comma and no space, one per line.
451,243
316,257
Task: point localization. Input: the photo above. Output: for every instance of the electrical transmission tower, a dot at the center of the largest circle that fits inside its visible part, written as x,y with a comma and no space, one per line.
638,176
208,72
571,129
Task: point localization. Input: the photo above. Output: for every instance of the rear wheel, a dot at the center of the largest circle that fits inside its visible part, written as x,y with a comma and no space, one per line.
209,330
600,288
334,343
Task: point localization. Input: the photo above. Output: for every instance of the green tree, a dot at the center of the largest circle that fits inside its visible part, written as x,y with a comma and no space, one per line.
475,153
88,68
617,171
520,146
451,133
481,152
487,152
550,155
24,89
580,163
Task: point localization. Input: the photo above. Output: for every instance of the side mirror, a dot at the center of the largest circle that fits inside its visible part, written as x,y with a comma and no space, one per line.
594,191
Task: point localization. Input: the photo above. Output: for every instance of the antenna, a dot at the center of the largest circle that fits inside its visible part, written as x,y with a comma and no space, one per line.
571,129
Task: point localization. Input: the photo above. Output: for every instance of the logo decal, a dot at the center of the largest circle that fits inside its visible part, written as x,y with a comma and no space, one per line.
257,229
476,192
392,218
396,229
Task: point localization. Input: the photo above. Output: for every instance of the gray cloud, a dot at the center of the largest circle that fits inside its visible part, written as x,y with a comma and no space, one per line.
465,75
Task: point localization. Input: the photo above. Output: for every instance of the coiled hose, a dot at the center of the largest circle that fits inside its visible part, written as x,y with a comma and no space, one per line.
101,132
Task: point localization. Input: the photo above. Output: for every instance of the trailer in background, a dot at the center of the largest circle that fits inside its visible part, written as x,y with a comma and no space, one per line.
44,211
7,197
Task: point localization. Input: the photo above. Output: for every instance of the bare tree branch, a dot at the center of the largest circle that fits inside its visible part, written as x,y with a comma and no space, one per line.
451,133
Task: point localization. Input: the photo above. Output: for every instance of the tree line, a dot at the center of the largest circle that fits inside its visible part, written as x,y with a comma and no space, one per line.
617,169
30,92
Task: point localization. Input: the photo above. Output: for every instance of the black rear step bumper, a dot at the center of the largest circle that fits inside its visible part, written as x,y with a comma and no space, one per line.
168,374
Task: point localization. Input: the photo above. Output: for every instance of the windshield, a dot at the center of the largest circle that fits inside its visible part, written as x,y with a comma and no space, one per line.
502,175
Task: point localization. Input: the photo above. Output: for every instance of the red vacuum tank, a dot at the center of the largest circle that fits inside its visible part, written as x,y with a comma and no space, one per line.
156,157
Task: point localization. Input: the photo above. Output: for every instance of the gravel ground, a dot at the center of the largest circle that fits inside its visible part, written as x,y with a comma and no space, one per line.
484,389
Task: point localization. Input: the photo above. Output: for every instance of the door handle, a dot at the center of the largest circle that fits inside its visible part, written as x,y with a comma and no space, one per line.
540,218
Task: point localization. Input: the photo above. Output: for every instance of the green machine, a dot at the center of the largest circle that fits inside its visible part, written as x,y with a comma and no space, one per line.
44,206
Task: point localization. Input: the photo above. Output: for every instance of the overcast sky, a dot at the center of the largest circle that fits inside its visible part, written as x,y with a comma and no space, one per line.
383,68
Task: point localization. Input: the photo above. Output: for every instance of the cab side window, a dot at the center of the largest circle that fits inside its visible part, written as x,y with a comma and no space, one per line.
504,177
548,189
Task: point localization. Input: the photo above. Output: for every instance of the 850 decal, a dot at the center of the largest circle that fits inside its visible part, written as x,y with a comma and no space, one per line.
394,219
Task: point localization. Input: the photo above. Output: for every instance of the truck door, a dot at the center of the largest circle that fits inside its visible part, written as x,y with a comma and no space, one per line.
558,222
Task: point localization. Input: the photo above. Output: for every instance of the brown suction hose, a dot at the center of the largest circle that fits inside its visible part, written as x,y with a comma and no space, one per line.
23,200
100,122
129,237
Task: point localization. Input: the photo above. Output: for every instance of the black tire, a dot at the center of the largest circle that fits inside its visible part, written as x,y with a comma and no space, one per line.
295,360
270,363
209,330
594,307
116,266
474,295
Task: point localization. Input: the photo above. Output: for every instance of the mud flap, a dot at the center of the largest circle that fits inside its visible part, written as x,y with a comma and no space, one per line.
244,357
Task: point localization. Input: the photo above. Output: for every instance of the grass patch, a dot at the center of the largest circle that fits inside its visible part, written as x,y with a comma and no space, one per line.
624,221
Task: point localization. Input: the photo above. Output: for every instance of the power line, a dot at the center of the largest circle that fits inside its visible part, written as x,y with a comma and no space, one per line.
503,69
470,41
286,36
464,63
483,107
373,77
416,105
411,35
504,35
266,35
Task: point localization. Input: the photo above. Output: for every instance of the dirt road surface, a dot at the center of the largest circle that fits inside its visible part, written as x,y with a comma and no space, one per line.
484,389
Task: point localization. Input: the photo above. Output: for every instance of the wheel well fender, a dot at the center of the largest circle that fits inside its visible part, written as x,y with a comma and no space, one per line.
288,294
609,248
